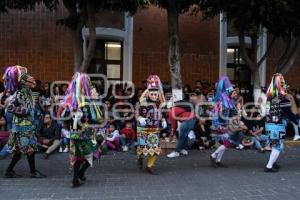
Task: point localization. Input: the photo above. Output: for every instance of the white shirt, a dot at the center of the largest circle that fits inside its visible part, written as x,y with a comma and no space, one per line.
112,136
65,133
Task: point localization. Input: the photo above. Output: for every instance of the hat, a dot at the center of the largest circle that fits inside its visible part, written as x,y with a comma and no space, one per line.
153,82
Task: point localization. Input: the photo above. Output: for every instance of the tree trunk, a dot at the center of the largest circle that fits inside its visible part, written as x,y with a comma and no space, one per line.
77,48
256,84
174,51
92,36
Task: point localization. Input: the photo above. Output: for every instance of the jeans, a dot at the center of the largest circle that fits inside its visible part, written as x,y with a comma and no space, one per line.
126,141
9,119
65,142
236,138
184,130
261,139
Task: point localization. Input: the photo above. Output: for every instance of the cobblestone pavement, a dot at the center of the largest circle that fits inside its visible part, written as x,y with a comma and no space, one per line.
191,177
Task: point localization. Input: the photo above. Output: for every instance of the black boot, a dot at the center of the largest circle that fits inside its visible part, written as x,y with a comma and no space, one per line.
213,162
221,165
10,173
151,171
76,180
140,162
33,172
270,170
82,171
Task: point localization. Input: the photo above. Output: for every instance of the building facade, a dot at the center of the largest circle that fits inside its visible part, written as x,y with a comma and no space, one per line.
127,48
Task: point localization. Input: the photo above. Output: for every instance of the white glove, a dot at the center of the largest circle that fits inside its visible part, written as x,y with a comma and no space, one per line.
164,124
143,121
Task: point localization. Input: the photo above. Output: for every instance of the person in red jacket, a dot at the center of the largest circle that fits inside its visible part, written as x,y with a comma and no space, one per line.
127,136
184,112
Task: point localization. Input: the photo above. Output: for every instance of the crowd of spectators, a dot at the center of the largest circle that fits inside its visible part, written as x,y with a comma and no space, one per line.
117,131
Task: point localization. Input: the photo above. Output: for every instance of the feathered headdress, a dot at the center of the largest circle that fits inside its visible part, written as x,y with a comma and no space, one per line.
223,90
81,93
277,86
12,77
153,82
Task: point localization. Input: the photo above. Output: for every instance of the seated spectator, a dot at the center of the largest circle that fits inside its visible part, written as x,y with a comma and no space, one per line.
101,133
49,135
65,138
237,130
256,129
202,132
113,138
39,110
127,136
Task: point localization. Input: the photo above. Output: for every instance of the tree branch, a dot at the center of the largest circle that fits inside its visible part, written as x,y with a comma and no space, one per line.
244,53
282,58
269,48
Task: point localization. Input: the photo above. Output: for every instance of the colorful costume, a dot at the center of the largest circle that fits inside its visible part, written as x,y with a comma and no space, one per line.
222,107
278,111
150,122
22,139
80,97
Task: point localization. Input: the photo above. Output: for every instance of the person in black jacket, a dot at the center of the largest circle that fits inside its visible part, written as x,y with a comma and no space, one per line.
49,135
202,133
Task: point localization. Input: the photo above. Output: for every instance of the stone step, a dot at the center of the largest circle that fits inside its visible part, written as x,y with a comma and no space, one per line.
168,147
292,143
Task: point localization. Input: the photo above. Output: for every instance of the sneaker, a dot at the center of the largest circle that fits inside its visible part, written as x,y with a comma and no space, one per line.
66,150
37,174
125,148
296,137
268,148
271,170
60,150
151,171
174,154
184,152
201,148
240,147
11,174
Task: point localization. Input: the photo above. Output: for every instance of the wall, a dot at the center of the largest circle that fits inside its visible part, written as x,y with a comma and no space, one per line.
199,46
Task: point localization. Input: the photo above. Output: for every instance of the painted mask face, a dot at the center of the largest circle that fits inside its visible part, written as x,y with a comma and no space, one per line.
26,79
153,95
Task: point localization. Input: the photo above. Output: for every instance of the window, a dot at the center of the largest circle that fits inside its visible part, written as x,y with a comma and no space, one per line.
237,71
108,60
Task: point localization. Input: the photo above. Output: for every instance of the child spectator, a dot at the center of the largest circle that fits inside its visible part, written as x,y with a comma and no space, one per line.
101,133
65,138
202,132
256,129
127,136
113,138
237,129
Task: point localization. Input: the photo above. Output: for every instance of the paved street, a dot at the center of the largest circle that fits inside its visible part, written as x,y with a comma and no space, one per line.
117,177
